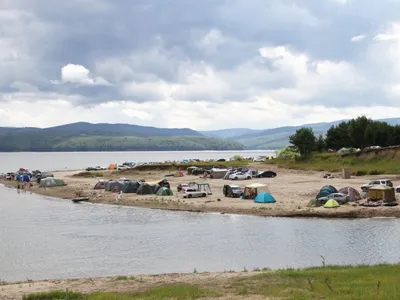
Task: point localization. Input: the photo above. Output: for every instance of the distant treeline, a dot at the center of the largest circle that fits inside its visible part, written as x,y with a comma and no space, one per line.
362,132
37,142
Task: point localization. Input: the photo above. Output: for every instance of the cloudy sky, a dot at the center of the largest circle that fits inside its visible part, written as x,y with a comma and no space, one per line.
208,64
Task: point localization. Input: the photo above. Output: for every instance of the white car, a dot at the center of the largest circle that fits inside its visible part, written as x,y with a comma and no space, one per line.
386,182
240,176
193,193
260,159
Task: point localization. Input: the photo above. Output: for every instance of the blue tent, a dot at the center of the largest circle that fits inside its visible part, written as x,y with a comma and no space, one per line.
326,190
264,198
23,178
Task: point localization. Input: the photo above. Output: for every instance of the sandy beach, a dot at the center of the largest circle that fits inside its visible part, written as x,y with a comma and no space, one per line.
124,284
292,190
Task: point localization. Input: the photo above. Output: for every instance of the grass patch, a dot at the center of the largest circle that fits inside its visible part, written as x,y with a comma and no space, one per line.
88,174
341,283
327,282
54,295
332,162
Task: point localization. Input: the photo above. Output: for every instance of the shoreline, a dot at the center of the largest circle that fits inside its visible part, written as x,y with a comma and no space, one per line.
292,190
346,280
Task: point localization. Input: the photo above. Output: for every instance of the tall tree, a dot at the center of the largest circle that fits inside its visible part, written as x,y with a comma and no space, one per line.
320,144
304,140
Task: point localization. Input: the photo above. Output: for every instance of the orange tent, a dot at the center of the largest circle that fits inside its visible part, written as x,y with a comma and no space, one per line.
112,166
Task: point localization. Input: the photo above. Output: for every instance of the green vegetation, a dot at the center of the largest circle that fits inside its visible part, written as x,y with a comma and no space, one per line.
304,140
109,137
327,282
362,132
359,164
88,174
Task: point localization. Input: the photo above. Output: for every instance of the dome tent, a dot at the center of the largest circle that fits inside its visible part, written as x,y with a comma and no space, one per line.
131,187
331,204
354,195
264,198
164,191
145,189
326,190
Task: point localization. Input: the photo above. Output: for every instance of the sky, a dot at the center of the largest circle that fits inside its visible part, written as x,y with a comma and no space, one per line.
209,64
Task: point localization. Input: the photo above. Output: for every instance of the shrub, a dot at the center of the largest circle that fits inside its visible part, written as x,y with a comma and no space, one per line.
361,173
374,172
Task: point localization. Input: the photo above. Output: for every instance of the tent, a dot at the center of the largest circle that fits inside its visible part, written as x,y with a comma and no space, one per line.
23,178
51,181
218,173
354,195
155,187
331,204
112,166
145,189
131,187
163,191
252,190
201,187
382,192
100,185
326,190
114,186
178,174
314,203
264,198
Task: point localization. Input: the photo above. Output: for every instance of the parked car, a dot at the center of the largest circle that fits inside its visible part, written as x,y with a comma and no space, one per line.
240,176
260,159
193,193
233,191
266,174
339,197
387,182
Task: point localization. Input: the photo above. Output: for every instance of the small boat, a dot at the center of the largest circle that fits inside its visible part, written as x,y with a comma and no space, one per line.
80,199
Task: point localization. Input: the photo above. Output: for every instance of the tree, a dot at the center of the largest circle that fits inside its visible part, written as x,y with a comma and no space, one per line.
304,140
320,144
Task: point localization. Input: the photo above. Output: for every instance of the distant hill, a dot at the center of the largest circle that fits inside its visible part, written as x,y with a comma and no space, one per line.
275,138
230,133
108,137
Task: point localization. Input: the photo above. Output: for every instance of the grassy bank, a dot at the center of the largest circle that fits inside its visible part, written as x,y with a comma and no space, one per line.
344,283
332,162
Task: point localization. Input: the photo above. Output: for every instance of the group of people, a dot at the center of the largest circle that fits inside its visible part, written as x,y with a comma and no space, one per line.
23,186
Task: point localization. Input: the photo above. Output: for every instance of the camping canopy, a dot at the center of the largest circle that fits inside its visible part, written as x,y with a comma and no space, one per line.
51,181
252,190
326,190
23,178
264,198
164,191
331,204
131,187
354,195
382,192
145,189
201,187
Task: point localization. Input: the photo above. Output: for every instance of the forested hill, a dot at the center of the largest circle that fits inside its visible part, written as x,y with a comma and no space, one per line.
108,137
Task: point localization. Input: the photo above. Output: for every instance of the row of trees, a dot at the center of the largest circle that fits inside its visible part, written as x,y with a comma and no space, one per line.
356,133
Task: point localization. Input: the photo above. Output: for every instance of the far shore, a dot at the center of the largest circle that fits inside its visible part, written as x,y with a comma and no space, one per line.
292,189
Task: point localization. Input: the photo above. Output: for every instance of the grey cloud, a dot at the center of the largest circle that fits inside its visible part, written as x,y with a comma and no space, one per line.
149,41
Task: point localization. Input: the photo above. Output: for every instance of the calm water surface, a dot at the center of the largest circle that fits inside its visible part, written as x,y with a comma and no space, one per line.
51,161
45,238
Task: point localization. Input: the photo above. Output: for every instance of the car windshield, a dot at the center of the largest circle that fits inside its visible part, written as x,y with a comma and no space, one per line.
235,188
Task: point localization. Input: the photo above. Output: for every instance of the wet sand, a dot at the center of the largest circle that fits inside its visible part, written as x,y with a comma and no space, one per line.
292,190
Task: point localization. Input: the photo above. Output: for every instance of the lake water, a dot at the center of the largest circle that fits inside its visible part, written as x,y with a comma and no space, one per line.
44,238
52,161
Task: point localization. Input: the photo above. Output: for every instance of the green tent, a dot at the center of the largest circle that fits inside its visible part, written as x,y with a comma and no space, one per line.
331,204
144,189
314,203
164,191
